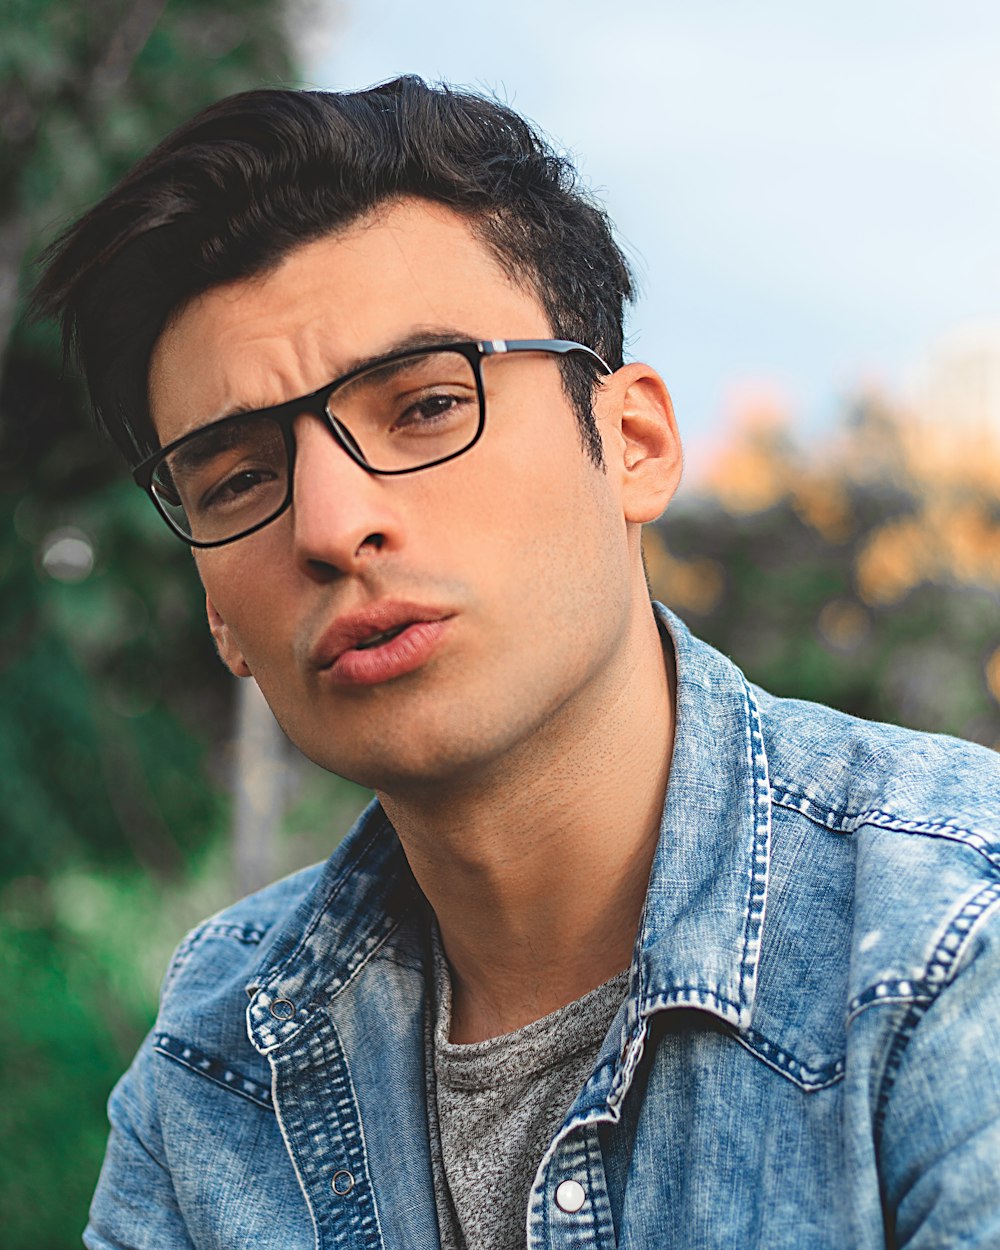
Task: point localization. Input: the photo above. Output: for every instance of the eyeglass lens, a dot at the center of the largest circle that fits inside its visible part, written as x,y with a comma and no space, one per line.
397,416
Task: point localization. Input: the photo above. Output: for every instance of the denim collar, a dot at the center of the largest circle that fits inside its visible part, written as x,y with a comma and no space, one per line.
698,941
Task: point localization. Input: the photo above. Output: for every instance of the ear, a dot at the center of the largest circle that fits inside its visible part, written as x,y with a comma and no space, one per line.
641,443
229,652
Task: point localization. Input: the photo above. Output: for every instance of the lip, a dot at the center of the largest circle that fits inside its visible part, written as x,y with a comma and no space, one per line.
337,657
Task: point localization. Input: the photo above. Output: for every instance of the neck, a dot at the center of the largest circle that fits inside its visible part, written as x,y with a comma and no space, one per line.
538,873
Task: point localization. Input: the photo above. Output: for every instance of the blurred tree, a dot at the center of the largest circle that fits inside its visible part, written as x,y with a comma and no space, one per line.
87,87
109,690
864,574
107,676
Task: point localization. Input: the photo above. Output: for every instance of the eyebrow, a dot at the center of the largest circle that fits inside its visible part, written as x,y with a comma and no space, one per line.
415,340
211,441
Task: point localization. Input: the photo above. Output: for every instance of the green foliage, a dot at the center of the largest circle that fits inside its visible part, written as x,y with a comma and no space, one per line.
108,687
110,693
101,699
82,954
90,86
84,993
59,1071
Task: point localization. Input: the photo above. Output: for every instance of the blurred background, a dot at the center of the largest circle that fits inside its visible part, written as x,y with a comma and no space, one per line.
810,196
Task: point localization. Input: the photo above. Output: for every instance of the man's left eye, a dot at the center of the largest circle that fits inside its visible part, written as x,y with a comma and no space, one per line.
431,408
435,405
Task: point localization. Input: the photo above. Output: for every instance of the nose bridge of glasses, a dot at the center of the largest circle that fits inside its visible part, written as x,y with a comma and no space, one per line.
321,418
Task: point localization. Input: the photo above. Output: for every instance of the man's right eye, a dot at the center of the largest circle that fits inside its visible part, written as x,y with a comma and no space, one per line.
236,489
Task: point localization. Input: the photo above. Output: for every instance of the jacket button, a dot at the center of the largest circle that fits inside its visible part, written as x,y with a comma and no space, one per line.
570,1196
282,1009
342,1183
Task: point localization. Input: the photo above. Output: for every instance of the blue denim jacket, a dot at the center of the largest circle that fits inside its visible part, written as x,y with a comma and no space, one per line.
809,1053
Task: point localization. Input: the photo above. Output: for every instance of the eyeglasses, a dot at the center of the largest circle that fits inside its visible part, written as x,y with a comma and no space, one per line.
401,413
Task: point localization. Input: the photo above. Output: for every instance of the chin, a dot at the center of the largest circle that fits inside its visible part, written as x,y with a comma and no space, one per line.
417,765
461,742
397,775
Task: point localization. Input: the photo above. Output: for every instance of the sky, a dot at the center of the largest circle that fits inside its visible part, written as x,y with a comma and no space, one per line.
809,194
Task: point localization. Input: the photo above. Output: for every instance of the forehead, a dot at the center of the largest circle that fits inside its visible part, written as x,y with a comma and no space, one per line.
331,304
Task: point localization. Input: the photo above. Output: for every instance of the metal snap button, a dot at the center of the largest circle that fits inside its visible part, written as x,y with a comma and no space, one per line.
342,1183
282,1009
570,1196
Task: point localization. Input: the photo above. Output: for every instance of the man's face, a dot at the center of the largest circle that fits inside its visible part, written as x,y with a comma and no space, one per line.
512,560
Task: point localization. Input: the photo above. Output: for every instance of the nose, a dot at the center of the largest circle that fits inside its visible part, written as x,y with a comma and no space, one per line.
341,514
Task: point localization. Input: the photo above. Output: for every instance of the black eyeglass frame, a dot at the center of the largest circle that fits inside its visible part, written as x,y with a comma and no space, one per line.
317,403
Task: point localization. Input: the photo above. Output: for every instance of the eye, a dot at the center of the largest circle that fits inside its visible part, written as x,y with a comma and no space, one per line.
235,488
239,483
431,410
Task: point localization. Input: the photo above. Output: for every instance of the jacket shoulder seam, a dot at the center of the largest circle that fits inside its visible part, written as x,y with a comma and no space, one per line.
245,934
847,821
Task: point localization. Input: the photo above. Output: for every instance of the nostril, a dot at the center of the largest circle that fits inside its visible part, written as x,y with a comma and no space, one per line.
377,541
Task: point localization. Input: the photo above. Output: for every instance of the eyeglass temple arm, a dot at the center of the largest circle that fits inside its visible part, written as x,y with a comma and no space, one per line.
562,347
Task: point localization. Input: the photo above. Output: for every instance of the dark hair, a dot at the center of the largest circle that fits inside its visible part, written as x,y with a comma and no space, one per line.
231,192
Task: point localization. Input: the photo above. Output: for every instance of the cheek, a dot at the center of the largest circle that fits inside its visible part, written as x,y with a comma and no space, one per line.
243,596
529,467
536,515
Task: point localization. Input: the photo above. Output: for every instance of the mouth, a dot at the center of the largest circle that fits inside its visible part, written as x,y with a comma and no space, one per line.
377,640
384,641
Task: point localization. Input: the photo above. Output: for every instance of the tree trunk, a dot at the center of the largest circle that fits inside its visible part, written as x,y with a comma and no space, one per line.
260,785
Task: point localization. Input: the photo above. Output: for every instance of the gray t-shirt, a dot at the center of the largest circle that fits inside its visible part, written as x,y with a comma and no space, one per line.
495,1106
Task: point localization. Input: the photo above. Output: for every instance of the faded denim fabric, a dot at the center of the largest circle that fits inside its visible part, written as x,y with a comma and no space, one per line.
809,1053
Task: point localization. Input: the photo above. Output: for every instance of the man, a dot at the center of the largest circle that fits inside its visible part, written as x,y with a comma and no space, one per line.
628,952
